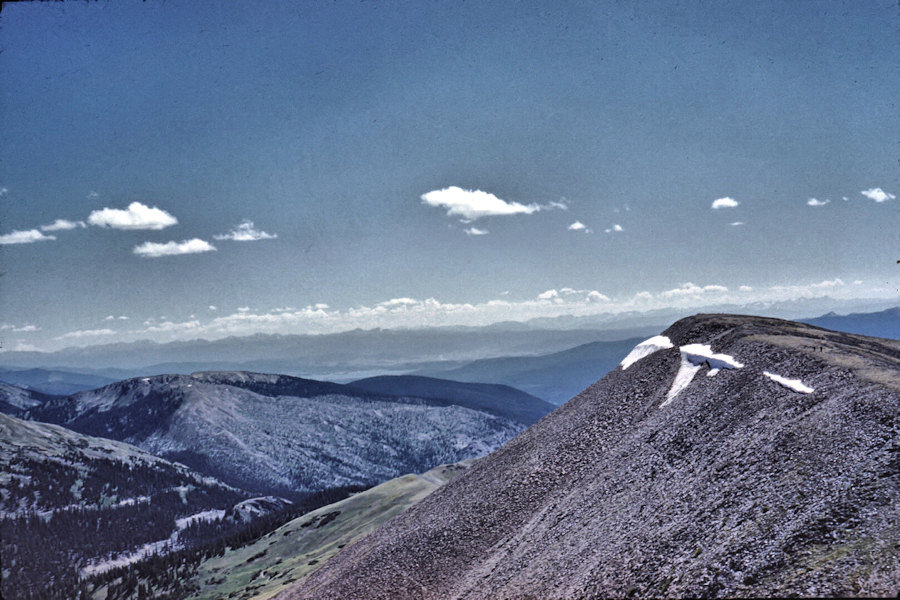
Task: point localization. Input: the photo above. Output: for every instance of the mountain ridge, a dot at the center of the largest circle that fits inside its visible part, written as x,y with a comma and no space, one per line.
740,483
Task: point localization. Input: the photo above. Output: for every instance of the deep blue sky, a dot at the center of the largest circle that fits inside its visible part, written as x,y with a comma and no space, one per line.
325,123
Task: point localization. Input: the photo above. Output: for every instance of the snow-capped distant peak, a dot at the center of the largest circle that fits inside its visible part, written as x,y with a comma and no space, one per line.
794,384
646,348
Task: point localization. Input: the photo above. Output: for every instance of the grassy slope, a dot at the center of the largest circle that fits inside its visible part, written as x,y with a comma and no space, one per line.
277,560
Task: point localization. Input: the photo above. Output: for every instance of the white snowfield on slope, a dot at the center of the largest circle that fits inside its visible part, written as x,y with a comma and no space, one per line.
794,384
693,356
646,348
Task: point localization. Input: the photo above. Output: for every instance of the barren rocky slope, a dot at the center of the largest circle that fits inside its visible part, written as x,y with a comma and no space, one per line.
777,474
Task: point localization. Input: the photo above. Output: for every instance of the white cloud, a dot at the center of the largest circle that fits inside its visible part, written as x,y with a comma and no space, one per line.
23,347
725,202
736,223
24,237
410,312
85,333
170,327
878,195
595,296
23,329
114,318
815,202
246,232
689,289
155,250
615,228
213,307
136,216
476,231
474,204
92,195
3,191
393,302
579,226
62,225
845,198
828,284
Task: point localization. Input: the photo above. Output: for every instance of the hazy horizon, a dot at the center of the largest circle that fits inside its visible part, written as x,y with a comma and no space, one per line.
203,170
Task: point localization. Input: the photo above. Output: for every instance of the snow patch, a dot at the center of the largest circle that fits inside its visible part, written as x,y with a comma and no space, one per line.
693,356
646,348
794,384
702,353
685,375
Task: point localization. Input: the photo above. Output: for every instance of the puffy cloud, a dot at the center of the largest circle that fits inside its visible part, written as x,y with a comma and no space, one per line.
579,226
406,312
170,327
689,289
114,318
23,329
85,333
614,229
474,204
877,194
815,202
246,232
155,250
476,231
62,225
397,302
736,223
725,202
136,216
3,191
213,307
828,283
24,237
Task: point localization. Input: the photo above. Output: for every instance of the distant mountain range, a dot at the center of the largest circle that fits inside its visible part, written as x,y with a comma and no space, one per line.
500,400
554,377
54,382
283,435
733,457
324,356
884,324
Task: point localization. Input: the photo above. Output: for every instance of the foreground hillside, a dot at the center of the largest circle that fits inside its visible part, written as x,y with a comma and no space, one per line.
282,435
735,456
272,563
73,505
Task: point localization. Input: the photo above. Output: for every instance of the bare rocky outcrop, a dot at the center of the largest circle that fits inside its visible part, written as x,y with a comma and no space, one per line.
738,486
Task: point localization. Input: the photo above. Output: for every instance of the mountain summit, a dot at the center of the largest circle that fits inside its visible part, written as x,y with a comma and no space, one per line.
729,456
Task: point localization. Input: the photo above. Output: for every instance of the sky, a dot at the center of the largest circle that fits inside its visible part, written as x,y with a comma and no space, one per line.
174,170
